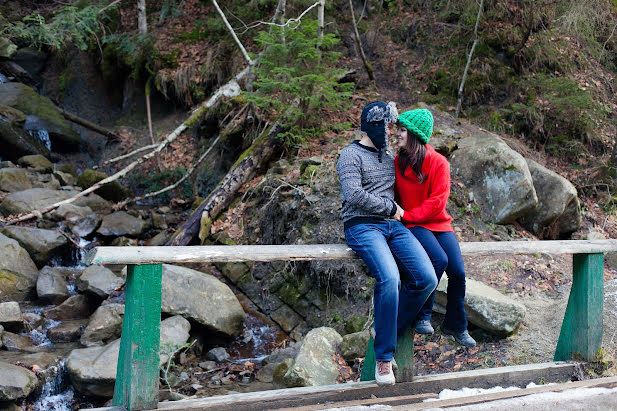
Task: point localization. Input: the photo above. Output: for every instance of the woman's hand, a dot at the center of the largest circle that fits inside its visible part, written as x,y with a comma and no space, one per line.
399,213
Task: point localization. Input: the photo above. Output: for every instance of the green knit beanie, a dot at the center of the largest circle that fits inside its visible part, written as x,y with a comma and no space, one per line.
419,122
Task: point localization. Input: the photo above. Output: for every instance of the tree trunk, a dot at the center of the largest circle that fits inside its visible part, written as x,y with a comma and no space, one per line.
142,22
321,25
264,148
90,125
367,64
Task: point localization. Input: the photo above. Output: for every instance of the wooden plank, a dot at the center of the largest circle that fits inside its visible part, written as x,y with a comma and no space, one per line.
581,330
137,378
404,358
608,382
239,253
399,399
519,375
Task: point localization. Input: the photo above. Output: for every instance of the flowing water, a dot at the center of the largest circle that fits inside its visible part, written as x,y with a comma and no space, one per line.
57,394
37,130
3,79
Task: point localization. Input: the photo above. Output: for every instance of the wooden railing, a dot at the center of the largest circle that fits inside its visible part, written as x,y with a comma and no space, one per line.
137,376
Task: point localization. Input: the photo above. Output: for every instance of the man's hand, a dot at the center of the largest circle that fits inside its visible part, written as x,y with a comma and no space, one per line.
399,213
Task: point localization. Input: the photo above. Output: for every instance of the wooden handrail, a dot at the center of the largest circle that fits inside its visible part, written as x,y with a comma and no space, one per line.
263,253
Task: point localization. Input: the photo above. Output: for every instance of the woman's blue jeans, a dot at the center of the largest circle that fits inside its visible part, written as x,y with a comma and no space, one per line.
398,298
445,254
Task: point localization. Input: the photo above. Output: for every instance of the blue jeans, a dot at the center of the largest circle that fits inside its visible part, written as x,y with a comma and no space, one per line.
445,254
398,298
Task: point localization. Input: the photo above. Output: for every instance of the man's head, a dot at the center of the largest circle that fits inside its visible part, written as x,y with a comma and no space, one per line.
375,119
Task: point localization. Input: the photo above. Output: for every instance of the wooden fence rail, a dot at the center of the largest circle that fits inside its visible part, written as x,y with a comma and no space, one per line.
138,375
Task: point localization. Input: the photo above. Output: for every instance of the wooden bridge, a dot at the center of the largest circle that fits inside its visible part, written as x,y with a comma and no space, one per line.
137,379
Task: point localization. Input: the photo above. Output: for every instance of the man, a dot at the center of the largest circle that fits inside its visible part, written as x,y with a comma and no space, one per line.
367,174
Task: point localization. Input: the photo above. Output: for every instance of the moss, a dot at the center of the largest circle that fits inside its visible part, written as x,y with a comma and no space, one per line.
197,116
113,191
204,227
354,323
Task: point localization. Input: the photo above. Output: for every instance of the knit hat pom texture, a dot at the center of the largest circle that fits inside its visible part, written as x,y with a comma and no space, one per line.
419,122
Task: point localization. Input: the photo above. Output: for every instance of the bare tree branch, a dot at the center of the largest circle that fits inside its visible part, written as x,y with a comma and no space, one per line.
233,33
367,64
128,155
473,47
292,23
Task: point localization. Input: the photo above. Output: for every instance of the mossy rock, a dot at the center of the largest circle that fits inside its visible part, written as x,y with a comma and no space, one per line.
37,162
68,168
7,48
113,191
14,140
24,98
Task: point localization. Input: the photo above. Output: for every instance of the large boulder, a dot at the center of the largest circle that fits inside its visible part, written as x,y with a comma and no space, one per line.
16,382
113,191
14,179
18,273
174,334
10,316
38,198
93,370
497,176
73,308
67,331
17,142
81,220
354,345
121,223
486,307
18,342
27,100
202,298
36,162
40,244
105,325
51,285
31,59
99,281
7,48
558,211
314,364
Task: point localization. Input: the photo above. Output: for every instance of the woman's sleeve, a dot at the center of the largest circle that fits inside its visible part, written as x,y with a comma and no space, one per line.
435,204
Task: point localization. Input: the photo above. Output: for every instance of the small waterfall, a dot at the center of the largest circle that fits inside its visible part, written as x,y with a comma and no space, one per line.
56,394
37,130
3,79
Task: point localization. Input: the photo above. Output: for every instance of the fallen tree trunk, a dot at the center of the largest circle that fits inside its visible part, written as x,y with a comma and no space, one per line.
90,125
263,149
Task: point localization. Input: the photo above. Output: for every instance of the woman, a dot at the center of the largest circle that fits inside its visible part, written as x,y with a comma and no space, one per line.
423,188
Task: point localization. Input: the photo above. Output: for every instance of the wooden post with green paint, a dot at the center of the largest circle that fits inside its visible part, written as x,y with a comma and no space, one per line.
137,378
581,331
404,358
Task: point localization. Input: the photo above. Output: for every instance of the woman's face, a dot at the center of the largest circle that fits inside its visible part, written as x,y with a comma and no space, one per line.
402,137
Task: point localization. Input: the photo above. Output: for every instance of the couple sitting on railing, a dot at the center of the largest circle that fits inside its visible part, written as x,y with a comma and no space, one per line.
395,219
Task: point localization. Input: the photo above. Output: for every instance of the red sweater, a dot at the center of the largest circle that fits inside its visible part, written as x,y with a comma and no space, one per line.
425,203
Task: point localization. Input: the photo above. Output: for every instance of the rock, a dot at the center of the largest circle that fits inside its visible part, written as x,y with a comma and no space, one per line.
92,370
51,286
7,49
27,100
32,320
497,175
159,239
68,211
218,354
124,242
281,354
314,364
486,307
18,273
207,365
558,211
354,345
99,281
113,191
47,181
11,317
65,179
16,382
67,331
202,298
286,318
40,244
84,226
174,334
266,373
122,223
38,198
281,370
31,59
14,179
16,342
104,325
75,307
17,142
37,162
7,164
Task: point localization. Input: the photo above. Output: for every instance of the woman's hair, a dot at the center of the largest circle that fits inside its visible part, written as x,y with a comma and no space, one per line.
412,155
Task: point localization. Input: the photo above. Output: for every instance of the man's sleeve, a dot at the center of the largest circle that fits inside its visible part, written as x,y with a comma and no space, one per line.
350,176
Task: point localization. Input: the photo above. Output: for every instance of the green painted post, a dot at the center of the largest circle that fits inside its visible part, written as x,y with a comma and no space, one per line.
137,378
581,331
404,358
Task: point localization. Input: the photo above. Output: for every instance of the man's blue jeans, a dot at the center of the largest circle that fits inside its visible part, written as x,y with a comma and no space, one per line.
445,254
398,298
